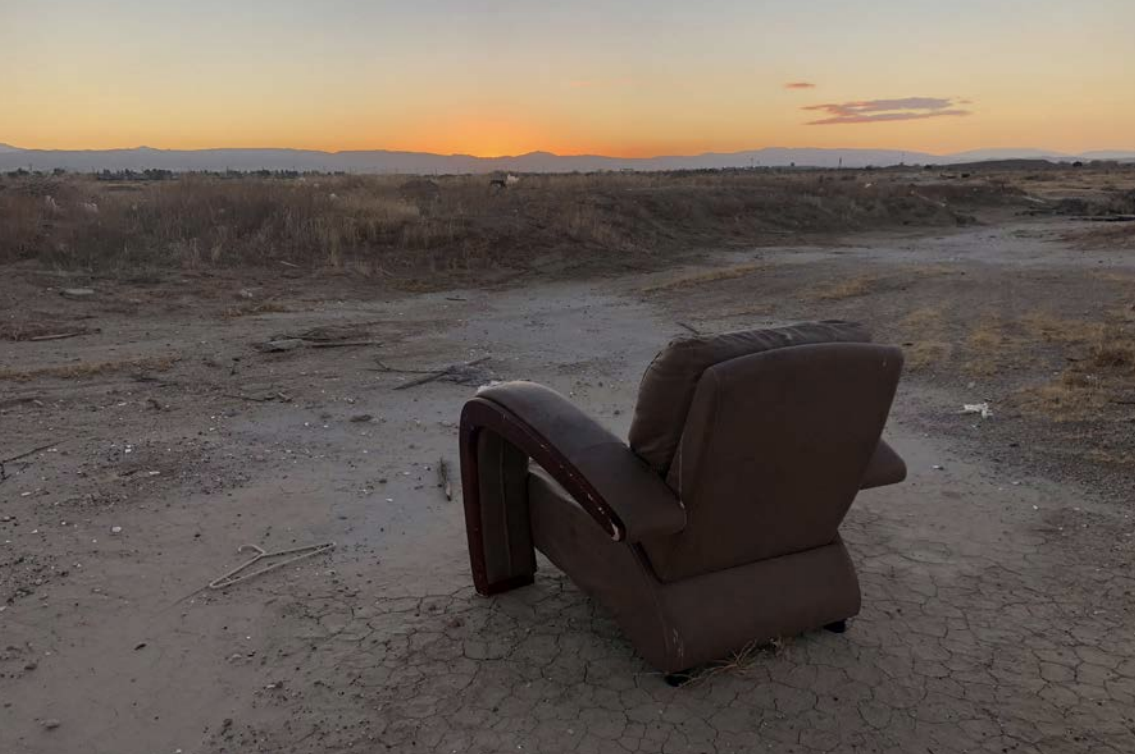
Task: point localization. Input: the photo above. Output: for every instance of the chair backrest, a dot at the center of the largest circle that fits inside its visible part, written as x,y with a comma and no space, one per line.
667,389
772,453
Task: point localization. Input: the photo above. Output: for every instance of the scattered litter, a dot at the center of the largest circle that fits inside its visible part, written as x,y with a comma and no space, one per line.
361,418
938,467
116,530
77,292
50,723
240,573
978,408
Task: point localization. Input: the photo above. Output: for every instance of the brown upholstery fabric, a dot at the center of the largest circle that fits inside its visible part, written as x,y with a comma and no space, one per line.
504,510
886,467
774,451
691,622
778,432
668,386
610,571
614,480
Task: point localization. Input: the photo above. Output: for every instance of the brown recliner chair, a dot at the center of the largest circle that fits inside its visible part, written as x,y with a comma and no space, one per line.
718,525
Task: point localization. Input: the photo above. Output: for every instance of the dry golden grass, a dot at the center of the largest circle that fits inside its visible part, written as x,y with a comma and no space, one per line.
1098,382
843,289
84,370
704,278
994,345
1073,395
1111,276
1118,237
738,662
34,330
251,309
926,319
1055,330
988,348
924,333
925,354
1124,460
382,224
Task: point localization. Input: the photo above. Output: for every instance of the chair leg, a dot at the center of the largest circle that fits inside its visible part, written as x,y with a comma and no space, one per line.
495,489
507,585
837,628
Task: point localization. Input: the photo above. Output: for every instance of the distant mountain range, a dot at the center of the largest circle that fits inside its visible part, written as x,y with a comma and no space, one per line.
383,161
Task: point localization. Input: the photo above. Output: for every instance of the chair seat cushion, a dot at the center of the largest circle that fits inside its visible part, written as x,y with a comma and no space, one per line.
668,386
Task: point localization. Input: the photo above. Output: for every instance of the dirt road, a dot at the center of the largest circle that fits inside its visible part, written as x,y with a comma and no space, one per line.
999,596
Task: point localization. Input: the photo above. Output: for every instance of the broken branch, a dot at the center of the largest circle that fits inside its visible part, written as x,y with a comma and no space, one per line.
440,373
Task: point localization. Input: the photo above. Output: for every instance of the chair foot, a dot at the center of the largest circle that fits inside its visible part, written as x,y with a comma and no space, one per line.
837,628
679,679
506,585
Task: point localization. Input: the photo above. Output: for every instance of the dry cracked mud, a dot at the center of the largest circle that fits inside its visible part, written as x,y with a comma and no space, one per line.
999,601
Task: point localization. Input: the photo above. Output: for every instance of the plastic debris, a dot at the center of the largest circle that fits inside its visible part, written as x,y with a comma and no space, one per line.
978,408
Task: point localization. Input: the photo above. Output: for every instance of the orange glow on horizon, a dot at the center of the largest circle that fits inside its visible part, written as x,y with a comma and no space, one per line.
616,79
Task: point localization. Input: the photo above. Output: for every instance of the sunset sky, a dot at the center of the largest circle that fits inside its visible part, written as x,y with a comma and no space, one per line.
635,78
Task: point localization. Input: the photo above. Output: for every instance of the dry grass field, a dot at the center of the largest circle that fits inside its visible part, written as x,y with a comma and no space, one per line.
375,226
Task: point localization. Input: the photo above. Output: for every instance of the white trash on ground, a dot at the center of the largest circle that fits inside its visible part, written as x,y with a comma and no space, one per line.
978,408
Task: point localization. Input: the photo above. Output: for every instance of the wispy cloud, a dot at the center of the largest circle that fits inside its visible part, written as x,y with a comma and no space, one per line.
799,85
887,110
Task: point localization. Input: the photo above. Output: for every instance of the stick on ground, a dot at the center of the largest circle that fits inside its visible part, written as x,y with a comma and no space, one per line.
33,450
4,471
443,478
441,373
57,336
345,344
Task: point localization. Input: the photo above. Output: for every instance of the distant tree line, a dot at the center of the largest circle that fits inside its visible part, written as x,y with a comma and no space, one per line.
158,174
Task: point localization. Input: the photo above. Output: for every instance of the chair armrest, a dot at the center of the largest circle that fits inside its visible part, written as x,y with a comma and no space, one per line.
886,467
601,473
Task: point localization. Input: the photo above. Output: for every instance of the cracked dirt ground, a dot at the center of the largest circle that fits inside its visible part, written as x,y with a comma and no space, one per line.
997,615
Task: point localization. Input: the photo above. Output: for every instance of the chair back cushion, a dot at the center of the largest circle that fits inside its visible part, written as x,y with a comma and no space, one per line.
668,386
773,452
